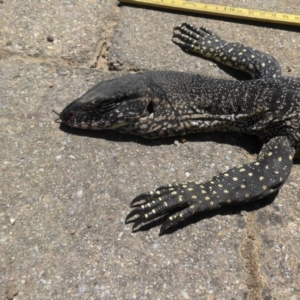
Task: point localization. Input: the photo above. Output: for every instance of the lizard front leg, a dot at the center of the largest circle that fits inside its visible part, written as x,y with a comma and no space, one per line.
235,55
241,184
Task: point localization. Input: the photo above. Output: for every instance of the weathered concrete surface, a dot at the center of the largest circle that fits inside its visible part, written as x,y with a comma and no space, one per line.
64,197
78,29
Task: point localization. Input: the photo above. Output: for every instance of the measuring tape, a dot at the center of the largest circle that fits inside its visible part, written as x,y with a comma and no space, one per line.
219,10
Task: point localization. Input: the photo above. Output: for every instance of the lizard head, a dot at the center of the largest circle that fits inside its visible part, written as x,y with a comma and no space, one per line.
119,104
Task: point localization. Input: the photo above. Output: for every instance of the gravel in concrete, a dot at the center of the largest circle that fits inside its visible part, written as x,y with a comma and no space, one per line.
65,193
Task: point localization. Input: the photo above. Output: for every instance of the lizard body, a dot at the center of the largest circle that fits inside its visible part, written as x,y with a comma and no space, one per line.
166,103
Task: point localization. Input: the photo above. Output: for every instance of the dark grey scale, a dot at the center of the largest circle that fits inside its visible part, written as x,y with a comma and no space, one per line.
167,103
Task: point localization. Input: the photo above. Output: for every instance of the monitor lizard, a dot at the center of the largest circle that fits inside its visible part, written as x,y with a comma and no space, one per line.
167,103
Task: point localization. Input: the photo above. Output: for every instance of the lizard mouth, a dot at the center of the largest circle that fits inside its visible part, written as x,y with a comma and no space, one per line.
70,119
92,118
110,114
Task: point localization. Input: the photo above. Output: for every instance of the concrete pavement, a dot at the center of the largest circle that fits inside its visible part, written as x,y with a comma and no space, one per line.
65,194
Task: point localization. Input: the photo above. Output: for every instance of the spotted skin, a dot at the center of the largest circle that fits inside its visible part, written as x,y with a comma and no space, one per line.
238,185
234,55
167,103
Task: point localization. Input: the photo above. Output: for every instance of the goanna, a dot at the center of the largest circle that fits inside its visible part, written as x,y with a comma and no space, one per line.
166,103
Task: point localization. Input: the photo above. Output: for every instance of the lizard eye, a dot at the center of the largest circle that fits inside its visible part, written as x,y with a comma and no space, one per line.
150,108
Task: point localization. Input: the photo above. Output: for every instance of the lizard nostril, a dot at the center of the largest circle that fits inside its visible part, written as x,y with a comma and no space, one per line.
70,116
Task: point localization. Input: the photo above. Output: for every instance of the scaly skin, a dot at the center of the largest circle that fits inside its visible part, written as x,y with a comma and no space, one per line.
167,103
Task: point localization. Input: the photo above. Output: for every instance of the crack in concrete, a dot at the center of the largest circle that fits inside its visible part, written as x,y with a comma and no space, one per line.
249,252
102,60
13,56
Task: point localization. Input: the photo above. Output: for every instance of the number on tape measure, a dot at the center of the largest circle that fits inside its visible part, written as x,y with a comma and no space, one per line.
220,10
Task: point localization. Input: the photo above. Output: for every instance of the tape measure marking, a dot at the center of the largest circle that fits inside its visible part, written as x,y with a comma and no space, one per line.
220,10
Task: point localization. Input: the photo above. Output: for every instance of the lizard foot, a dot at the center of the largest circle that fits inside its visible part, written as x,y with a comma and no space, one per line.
200,40
150,206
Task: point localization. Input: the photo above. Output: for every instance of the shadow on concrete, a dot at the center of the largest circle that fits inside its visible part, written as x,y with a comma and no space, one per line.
247,142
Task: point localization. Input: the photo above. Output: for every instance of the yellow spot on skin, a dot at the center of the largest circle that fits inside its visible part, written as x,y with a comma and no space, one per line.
171,218
203,192
247,195
174,193
212,203
291,157
256,163
270,154
214,192
220,185
165,204
153,210
250,174
242,170
226,175
280,159
194,197
235,179
276,172
261,178
264,187
226,191
243,186
190,189
146,216
228,201
180,199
